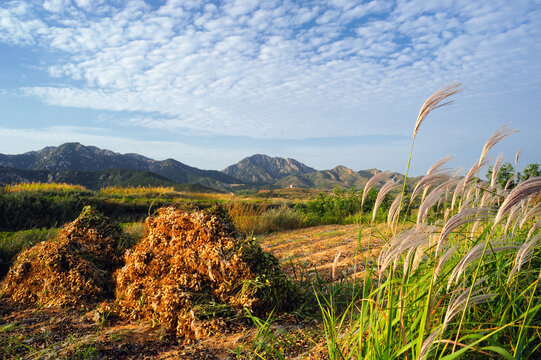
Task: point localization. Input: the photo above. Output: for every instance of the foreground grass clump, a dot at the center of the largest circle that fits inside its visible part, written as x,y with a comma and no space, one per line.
191,272
71,270
462,281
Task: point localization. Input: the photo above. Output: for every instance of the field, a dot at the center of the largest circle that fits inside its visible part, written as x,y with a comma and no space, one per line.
448,268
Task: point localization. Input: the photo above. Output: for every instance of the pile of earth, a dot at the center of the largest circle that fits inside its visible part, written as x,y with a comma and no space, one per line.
73,270
192,271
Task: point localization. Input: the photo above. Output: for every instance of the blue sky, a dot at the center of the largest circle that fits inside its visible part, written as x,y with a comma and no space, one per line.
325,82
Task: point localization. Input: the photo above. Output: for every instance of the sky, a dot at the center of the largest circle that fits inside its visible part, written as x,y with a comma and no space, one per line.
324,82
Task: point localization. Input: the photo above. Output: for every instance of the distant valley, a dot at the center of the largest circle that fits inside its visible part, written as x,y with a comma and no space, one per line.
94,168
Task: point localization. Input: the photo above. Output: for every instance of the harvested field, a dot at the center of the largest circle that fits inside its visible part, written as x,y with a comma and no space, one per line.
310,250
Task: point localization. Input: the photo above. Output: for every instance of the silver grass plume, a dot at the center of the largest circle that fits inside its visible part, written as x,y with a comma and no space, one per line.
436,167
427,344
434,102
458,189
461,218
371,182
443,260
426,182
532,213
524,190
495,170
393,210
535,226
335,264
469,297
495,138
517,155
475,253
388,186
406,240
510,181
524,254
432,198
513,214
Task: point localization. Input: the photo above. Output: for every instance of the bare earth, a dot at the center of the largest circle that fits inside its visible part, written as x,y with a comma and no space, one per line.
74,334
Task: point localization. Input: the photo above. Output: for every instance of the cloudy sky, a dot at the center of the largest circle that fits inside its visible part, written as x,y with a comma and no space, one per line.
324,82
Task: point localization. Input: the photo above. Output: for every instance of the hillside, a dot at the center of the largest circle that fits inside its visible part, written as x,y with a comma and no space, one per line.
78,157
93,167
265,169
340,176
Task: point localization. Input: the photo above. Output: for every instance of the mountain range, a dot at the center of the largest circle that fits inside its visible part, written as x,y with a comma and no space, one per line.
93,168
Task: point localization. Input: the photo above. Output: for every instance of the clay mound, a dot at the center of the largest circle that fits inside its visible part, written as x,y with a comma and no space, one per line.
75,269
191,270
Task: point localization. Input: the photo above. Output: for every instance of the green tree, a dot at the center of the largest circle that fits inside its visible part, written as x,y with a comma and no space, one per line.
505,173
531,171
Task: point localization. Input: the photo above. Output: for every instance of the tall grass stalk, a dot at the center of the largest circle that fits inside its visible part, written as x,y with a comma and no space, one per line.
462,282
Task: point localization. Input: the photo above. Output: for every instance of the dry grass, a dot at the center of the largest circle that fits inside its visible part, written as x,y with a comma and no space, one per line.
137,190
38,186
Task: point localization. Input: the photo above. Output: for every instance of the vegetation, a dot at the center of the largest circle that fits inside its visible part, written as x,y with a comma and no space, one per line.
340,207
462,280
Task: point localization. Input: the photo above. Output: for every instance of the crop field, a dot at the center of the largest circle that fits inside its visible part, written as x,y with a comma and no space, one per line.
448,268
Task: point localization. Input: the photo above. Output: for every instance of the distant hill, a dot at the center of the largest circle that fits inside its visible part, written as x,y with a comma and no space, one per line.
93,168
340,176
265,169
78,157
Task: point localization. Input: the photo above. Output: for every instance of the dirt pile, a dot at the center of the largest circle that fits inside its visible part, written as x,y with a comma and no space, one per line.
75,269
191,272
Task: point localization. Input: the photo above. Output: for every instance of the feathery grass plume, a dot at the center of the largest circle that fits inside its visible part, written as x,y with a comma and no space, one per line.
485,199
457,191
436,167
495,138
432,198
427,344
468,298
426,182
510,181
496,170
461,218
535,226
420,255
406,240
532,213
475,253
335,264
524,190
434,102
524,254
470,175
447,255
388,186
517,155
393,210
513,214
371,182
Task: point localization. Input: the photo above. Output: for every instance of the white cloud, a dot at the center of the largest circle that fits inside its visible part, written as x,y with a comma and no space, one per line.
275,70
